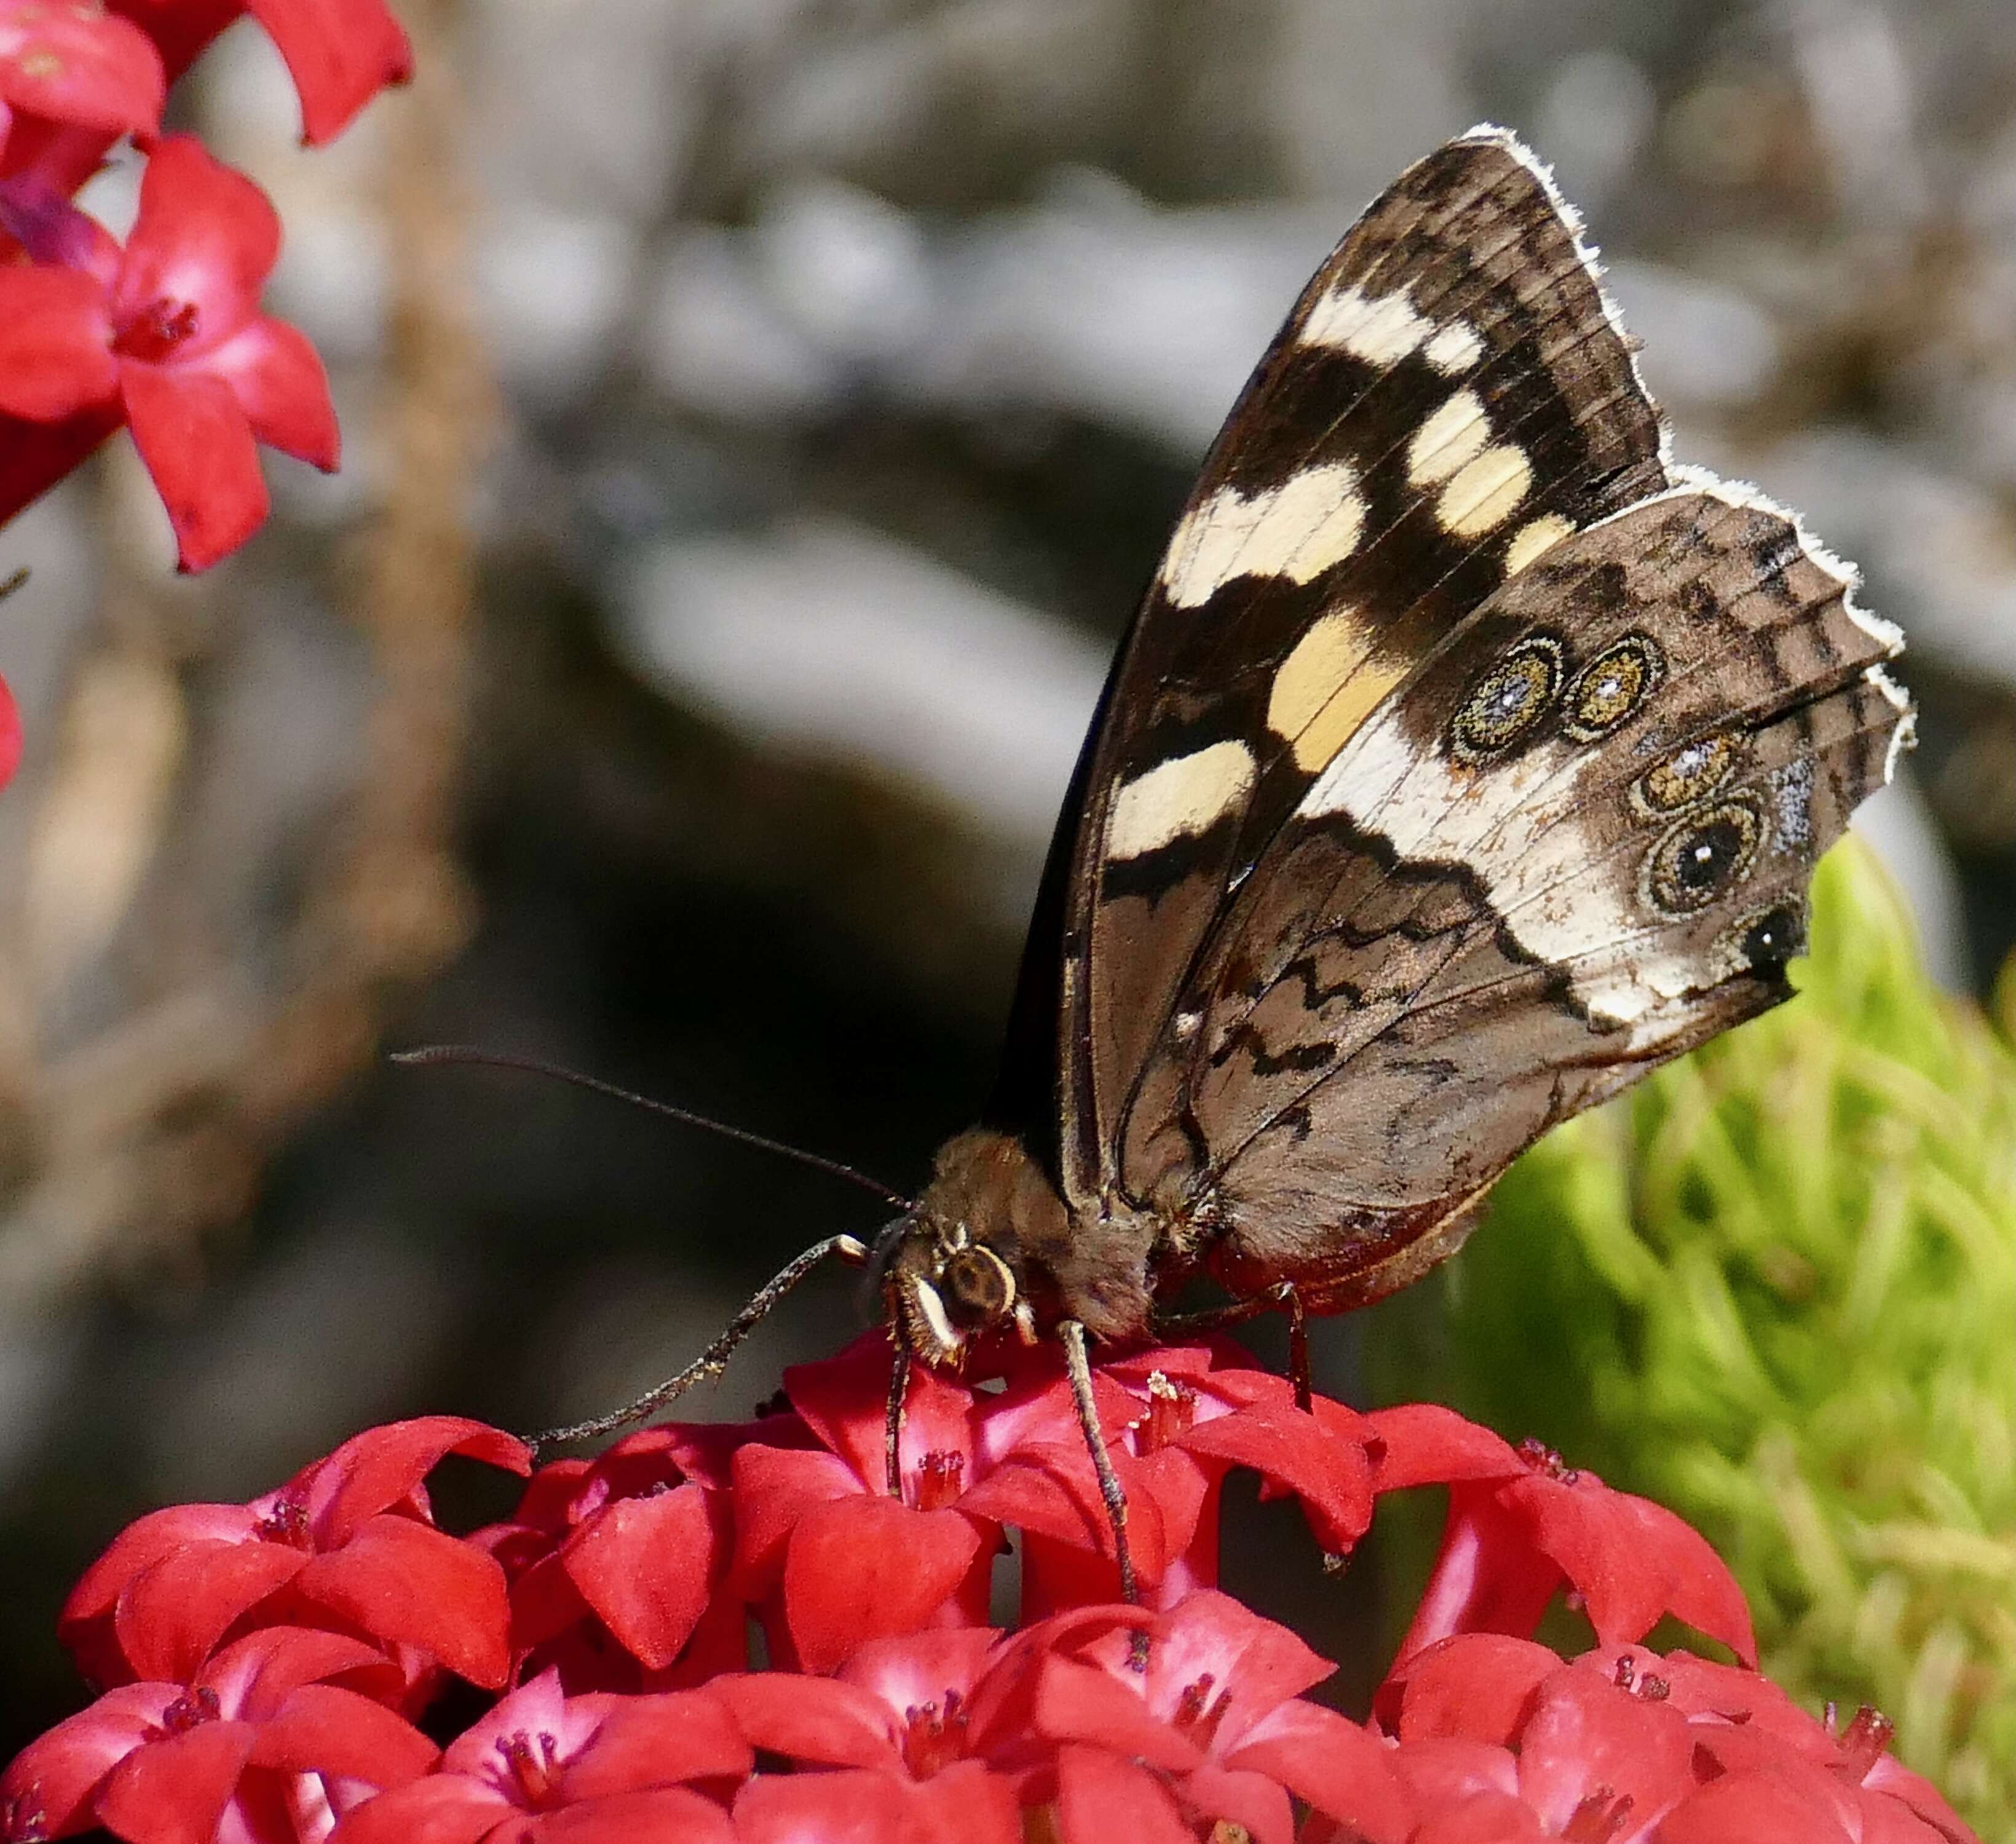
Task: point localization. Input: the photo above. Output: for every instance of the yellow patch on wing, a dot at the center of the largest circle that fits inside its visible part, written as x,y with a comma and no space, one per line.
1179,799
1324,688
1483,494
1457,432
1298,530
1534,537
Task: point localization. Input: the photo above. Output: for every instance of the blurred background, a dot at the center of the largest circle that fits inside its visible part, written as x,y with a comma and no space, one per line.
760,418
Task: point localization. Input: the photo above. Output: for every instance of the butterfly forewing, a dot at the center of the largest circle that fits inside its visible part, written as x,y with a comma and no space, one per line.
1465,759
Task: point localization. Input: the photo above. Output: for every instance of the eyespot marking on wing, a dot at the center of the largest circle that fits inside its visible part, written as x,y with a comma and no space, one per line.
1508,702
1703,855
1612,686
1690,774
1298,530
1179,799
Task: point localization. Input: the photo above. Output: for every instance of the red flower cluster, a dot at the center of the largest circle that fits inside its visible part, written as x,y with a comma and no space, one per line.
164,336
268,1664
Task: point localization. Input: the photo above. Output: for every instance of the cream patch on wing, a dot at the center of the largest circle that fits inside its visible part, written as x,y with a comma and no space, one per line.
1535,536
1533,866
1326,688
1455,348
1458,431
1179,799
1298,530
1381,329
1484,493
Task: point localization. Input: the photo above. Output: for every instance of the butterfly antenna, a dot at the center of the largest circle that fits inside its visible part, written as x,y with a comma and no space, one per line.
13,580
470,1054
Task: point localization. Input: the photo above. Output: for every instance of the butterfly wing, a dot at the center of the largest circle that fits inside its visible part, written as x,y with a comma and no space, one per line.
1291,974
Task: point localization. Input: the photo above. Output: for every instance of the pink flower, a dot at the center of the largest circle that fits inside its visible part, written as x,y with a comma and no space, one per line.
542,1765
259,1732
1520,1523
348,1542
165,335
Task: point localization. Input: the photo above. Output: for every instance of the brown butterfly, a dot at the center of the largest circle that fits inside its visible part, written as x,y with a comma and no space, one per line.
1467,759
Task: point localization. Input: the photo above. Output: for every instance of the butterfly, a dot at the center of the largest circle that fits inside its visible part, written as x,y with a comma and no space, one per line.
1467,758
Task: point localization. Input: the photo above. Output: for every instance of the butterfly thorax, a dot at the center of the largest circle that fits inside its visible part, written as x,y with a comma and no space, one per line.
992,1243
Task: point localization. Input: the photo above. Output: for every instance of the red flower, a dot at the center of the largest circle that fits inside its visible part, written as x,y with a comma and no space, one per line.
165,335
544,1765
1623,1744
76,65
1521,1524
614,1563
340,53
257,1734
819,1542
348,1542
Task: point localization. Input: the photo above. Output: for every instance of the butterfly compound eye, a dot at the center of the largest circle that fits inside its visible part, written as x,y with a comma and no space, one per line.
980,1283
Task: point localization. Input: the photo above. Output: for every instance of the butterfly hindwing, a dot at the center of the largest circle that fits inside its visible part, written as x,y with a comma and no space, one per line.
1575,843
1450,395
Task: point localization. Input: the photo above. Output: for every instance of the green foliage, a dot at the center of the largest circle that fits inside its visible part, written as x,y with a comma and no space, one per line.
1775,1288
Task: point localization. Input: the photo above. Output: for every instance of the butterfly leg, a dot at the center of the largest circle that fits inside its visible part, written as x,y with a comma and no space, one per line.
892,1425
1299,1346
1077,1367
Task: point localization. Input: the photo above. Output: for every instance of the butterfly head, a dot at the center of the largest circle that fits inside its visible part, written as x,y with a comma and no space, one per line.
957,1265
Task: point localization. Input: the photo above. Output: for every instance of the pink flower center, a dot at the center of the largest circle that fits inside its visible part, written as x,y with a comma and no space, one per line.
933,1738
1651,1686
1862,1743
1197,1716
24,1819
153,333
530,1770
286,1523
191,1712
1599,1817
1171,1412
1543,1459
941,1478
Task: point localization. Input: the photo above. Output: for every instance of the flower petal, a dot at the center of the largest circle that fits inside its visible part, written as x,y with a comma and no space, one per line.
173,1612
277,376
647,1566
198,448
1424,1444
1101,1798
819,1721
324,1729
1295,1451
1762,1805
861,1569
340,53
56,357
1476,1684
174,1790
1328,1760
406,1584
442,1809
844,1400
655,1741
774,1487
77,65
57,1773
1589,1741
206,236
374,1470
1078,1703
